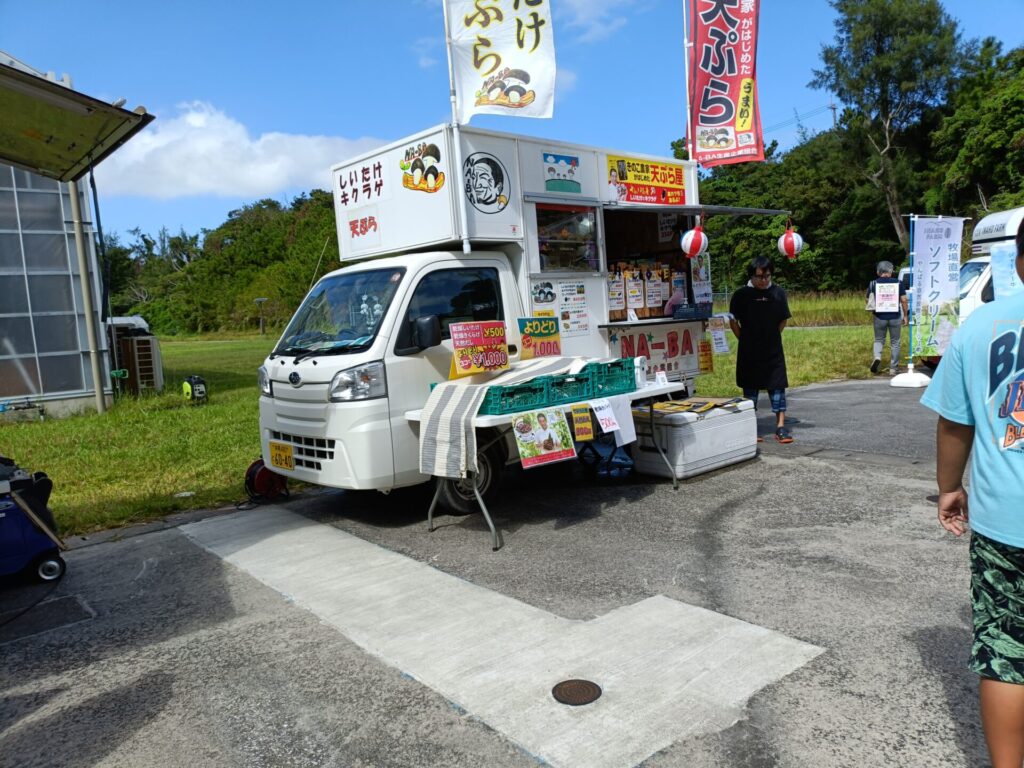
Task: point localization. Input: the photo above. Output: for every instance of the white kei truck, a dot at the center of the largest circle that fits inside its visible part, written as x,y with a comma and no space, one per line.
976,286
551,225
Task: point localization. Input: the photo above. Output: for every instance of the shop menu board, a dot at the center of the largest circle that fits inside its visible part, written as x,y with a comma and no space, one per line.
565,300
478,347
543,437
540,337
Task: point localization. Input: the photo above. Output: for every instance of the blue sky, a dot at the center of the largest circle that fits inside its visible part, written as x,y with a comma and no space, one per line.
259,99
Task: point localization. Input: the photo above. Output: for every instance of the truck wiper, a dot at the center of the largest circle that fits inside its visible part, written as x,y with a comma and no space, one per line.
287,351
339,350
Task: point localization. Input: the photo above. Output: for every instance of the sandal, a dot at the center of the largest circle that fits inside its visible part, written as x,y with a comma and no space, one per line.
783,435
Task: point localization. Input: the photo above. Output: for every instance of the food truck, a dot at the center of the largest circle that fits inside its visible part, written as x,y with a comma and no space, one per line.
589,237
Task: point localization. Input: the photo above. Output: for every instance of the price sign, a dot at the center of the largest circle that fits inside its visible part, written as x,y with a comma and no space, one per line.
705,358
478,347
540,337
719,342
605,415
582,426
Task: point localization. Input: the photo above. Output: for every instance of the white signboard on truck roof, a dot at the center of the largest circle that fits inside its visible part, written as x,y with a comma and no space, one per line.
397,196
404,196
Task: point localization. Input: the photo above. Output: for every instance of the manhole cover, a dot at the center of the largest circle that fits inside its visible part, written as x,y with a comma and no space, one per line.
576,693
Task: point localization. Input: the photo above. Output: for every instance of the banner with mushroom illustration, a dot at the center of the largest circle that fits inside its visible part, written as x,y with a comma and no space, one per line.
503,56
725,116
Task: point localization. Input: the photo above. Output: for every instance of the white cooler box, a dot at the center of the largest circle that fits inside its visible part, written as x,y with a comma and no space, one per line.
696,442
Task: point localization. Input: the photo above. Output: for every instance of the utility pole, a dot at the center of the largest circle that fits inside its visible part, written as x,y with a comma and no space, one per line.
259,305
832,106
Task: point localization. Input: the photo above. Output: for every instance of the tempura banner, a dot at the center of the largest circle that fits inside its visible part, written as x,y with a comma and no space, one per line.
634,180
936,293
503,56
725,117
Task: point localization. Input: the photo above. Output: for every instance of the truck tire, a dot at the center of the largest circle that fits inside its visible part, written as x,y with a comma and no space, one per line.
457,495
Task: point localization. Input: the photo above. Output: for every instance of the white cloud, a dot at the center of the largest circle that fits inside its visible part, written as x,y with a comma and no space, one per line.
565,81
203,151
426,49
594,20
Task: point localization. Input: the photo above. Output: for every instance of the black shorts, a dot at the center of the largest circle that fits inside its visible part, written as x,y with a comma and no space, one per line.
997,595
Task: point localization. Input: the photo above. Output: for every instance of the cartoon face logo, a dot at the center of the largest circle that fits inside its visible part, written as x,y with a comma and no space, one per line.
1013,409
486,180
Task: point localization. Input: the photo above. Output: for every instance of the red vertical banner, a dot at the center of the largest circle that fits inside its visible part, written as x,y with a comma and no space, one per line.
725,117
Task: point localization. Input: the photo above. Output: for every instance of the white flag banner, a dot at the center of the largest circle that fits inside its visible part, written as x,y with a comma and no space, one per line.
503,54
936,282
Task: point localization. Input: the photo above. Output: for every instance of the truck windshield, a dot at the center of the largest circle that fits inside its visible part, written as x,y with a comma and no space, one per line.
341,314
969,274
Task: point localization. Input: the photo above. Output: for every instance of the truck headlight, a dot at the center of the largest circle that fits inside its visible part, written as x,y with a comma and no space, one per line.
363,382
266,388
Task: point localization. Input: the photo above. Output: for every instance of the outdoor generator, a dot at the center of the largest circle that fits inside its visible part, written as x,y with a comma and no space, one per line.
28,535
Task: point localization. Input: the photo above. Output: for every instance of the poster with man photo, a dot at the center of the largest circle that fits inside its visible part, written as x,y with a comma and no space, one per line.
543,437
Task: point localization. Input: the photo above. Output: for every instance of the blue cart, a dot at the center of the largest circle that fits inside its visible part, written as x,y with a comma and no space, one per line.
28,536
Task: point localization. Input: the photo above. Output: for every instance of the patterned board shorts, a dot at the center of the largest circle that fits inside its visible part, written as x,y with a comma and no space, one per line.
997,594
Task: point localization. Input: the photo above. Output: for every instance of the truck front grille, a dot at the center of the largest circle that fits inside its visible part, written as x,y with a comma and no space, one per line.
308,452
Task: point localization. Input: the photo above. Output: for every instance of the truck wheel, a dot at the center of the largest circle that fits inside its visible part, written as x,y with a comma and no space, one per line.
457,495
50,567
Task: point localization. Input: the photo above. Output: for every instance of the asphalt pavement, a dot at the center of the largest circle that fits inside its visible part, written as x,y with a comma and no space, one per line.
160,647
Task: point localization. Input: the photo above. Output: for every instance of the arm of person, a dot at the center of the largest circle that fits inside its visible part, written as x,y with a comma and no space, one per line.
953,444
735,327
785,314
906,309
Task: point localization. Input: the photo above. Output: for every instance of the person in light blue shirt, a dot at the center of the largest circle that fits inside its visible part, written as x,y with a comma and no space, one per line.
978,392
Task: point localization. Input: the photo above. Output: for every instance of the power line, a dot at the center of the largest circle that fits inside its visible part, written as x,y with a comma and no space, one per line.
798,118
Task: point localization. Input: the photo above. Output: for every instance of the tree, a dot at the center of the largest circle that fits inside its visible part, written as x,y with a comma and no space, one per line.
892,62
983,140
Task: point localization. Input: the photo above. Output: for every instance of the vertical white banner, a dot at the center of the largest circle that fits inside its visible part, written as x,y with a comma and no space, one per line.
936,282
503,54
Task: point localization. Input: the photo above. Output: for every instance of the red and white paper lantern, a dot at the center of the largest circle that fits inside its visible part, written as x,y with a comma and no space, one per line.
694,242
790,244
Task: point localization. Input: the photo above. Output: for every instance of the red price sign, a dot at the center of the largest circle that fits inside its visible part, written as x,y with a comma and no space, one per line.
478,347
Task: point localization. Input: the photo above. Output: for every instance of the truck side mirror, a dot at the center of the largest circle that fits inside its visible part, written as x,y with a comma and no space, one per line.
427,332
988,293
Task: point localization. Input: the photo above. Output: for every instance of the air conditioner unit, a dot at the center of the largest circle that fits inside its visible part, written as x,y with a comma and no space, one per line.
140,355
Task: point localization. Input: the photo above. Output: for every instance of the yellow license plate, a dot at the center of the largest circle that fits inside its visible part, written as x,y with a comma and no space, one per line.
281,455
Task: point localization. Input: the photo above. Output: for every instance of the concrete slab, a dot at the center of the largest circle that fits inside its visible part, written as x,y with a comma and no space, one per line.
668,670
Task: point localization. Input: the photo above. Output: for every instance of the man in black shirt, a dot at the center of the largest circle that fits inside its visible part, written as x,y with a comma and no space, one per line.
759,314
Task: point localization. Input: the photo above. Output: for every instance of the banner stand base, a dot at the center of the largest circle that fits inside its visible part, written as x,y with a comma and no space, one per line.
911,379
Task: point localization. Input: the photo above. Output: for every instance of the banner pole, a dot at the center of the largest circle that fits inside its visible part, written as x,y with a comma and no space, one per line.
911,378
686,86
911,321
460,191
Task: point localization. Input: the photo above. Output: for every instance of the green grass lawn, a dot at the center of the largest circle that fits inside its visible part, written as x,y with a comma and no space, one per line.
822,309
812,355
128,465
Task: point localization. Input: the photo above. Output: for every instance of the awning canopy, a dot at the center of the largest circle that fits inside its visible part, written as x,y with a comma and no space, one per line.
696,210
57,132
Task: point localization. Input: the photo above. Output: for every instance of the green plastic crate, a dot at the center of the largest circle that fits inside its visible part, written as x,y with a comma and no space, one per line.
527,396
614,378
569,388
